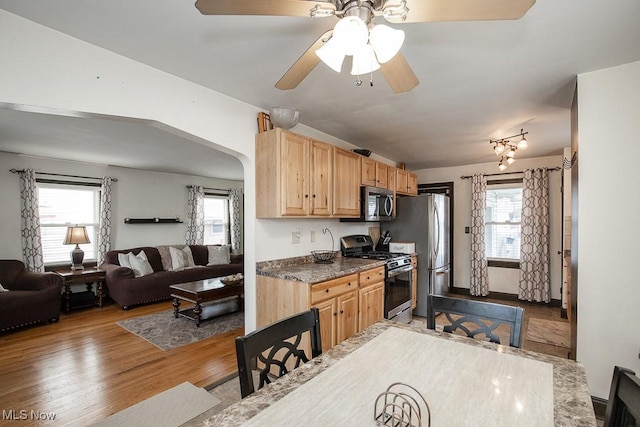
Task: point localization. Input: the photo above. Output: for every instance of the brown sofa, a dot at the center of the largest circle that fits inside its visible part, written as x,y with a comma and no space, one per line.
127,290
32,297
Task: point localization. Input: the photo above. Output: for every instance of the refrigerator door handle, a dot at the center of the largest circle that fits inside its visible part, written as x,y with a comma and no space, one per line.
436,216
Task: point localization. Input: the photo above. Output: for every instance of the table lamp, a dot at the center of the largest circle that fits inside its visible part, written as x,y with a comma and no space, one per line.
77,236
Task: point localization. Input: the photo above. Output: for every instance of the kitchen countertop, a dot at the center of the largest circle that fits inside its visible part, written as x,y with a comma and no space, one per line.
571,399
303,269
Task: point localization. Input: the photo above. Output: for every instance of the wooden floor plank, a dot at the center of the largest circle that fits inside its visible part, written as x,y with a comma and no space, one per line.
86,367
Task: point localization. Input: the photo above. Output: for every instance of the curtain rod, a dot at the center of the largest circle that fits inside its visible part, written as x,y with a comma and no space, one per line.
209,188
556,169
60,174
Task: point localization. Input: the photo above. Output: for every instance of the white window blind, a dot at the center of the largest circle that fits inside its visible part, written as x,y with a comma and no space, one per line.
216,220
502,222
61,206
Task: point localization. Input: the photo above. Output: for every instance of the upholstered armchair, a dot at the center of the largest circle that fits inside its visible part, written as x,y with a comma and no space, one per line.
30,297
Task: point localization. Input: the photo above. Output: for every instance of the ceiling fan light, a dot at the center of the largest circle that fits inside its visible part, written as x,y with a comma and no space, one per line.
386,42
498,148
332,55
364,61
352,33
511,152
510,160
502,167
523,143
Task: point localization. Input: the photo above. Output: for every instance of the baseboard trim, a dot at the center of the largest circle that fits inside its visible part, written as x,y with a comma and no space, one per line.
599,407
504,296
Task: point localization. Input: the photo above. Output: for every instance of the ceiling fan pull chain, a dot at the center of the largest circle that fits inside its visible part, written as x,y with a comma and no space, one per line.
371,79
358,81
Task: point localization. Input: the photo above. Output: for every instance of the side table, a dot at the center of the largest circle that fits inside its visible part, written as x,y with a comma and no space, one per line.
88,276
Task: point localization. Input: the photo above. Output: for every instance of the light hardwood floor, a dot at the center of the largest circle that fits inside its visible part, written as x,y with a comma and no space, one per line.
86,367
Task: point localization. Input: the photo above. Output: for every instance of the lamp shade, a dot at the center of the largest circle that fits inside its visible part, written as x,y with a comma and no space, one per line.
386,42
332,54
77,235
351,33
364,61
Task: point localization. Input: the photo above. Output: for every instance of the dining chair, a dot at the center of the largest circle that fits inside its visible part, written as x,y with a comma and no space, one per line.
273,350
623,407
485,316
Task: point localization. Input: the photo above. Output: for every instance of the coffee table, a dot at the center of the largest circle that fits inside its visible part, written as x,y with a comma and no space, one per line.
207,291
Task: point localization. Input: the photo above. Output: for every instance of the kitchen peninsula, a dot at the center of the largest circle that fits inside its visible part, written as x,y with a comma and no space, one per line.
538,389
349,293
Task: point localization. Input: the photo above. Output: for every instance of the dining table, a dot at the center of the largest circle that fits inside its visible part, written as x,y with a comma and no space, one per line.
461,381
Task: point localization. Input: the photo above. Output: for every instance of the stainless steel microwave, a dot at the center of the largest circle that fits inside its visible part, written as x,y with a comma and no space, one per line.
376,204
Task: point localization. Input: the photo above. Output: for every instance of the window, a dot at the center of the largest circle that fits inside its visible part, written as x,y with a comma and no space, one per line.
502,222
60,206
216,220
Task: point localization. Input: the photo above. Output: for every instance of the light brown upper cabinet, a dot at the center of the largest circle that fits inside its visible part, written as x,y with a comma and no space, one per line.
374,173
297,176
346,190
294,175
367,171
406,183
381,175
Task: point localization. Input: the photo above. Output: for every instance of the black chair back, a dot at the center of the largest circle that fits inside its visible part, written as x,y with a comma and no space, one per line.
477,313
623,407
272,350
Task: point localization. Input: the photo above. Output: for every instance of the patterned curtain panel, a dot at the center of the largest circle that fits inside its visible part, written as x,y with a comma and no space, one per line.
195,216
534,247
30,222
104,227
479,285
235,197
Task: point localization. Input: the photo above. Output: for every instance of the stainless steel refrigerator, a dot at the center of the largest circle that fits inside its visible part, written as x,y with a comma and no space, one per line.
424,219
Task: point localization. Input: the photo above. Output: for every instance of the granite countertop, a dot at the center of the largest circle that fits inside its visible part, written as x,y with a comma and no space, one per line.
303,269
571,399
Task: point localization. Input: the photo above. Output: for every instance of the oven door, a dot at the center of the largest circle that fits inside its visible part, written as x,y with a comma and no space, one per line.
397,294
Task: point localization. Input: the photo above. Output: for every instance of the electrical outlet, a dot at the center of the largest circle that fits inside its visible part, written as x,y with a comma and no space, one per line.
312,236
295,236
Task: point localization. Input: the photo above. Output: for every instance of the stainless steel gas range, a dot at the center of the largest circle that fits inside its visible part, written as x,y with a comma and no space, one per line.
398,277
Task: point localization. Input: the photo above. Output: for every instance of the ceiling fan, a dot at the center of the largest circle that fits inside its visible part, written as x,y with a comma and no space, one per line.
372,46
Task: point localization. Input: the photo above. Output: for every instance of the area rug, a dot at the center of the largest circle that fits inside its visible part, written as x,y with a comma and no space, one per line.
169,408
166,332
549,332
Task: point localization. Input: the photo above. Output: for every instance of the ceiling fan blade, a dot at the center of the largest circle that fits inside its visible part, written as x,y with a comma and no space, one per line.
260,7
303,66
399,74
459,10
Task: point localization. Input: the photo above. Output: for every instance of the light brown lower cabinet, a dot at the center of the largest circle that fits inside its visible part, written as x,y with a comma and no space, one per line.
346,304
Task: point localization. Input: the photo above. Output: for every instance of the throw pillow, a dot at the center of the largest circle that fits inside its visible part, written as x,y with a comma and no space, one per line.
219,255
3,289
181,258
165,257
123,260
139,264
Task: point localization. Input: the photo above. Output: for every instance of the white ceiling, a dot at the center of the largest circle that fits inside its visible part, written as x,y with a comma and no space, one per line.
478,80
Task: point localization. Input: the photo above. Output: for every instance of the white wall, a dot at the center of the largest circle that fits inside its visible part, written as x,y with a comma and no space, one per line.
502,280
609,202
137,193
51,70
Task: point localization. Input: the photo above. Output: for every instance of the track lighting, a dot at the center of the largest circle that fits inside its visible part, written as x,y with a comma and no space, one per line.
507,150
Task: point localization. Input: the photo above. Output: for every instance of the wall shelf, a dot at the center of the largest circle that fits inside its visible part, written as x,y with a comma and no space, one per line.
152,221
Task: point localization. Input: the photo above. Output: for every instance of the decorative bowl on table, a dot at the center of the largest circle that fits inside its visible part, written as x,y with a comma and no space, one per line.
284,118
234,279
323,257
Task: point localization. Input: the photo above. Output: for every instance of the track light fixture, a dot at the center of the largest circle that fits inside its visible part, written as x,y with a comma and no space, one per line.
507,150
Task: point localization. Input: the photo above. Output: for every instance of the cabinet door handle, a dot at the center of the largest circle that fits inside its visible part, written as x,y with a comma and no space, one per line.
341,311
326,290
306,196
